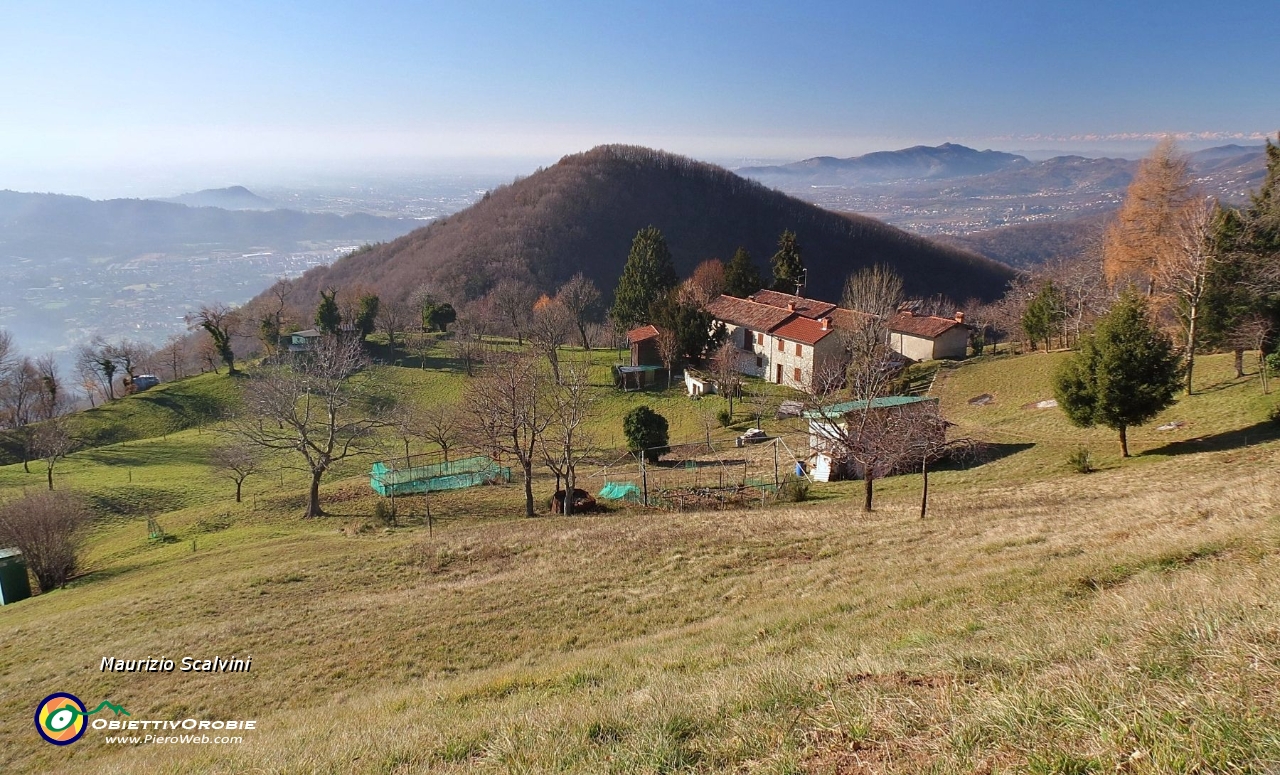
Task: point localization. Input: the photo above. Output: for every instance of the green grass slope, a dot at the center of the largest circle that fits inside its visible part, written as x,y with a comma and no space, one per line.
1038,621
164,409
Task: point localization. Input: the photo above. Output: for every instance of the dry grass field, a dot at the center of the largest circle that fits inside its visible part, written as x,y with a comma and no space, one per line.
1039,621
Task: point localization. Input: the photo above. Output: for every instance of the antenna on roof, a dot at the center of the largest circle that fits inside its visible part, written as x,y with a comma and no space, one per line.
802,282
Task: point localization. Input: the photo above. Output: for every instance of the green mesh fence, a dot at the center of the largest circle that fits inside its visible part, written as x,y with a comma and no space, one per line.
453,475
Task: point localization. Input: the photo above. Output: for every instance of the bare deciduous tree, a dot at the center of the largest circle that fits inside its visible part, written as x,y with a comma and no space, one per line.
1083,286
236,461
549,329
566,442
726,368
668,345
581,298
1253,333
51,442
704,285
507,414
219,321
512,301
97,365
49,529
440,424
394,317
1183,275
874,292
872,437
323,407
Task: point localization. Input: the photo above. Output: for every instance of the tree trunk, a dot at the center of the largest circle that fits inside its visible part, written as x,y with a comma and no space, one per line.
528,488
1124,441
313,498
1238,360
238,483
867,488
406,453
582,329
1191,348
569,481
49,471
554,358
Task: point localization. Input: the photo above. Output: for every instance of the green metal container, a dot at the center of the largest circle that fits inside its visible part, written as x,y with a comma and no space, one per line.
13,577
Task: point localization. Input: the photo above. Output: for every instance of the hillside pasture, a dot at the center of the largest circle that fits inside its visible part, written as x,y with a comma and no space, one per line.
1038,621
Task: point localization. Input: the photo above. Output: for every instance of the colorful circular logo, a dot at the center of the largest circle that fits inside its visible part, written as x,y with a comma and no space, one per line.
60,718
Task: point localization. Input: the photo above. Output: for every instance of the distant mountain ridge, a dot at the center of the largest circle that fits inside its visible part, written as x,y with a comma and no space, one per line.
56,225
231,198
920,162
582,213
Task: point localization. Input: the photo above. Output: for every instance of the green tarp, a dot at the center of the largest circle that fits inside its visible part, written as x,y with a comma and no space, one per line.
621,491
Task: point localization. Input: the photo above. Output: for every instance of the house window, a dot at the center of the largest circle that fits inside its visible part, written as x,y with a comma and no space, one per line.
759,361
747,336
760,339
780,345
798,380
799,349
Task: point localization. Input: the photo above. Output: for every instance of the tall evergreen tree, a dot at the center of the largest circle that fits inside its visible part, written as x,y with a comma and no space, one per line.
648,275
328,318
1245,283
1124,374
788,268
741,276
367,317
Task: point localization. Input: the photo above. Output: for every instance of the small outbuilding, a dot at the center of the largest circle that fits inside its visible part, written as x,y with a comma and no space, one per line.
644,346
14,585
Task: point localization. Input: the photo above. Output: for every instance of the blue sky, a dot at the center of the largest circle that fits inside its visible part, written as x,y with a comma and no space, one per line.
113,87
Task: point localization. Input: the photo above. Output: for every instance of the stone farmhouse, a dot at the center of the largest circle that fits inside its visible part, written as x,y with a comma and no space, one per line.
787,339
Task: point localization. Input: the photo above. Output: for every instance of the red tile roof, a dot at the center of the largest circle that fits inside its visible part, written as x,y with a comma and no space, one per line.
809,308
803,330
643,333
928,327
749,314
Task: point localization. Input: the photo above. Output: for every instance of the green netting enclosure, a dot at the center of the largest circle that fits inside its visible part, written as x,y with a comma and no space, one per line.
621,491
452,475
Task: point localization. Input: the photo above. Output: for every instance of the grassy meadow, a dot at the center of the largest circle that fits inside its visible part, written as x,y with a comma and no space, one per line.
1039,621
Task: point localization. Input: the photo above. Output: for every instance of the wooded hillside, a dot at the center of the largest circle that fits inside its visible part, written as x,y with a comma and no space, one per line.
582,213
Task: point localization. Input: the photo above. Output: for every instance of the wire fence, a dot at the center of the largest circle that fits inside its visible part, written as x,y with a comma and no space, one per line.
700,475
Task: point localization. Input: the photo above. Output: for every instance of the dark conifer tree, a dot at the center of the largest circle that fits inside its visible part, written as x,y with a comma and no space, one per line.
1124,374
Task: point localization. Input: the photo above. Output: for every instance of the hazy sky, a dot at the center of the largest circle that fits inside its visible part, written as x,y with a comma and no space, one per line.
120,89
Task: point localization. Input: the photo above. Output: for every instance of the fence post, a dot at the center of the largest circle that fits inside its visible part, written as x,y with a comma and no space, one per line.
775,463
644,477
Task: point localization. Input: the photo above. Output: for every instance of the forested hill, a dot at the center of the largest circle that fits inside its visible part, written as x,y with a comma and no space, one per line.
582,213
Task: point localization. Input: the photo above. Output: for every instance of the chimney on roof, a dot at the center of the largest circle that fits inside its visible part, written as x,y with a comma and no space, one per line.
791,306
959,316
826,324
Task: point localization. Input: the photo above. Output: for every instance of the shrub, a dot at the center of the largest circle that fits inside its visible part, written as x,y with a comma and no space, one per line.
1081,461
384,513
1274,415
794,489
1273,363
48,527
645,430
724,418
